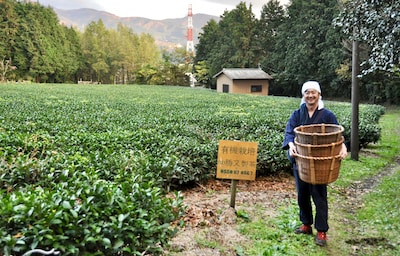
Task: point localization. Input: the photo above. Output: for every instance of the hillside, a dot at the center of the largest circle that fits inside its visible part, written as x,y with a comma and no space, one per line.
167,32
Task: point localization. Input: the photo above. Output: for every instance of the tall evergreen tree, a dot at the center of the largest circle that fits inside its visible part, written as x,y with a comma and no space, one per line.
36,43
8,28
123,54
272,17
39,46
95,42
8,34
236,40
207,42
310,48
73,59
229,43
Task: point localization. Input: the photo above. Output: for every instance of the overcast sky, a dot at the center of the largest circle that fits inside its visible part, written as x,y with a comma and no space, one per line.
156,9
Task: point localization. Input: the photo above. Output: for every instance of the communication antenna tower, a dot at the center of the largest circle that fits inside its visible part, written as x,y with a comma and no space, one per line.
189,44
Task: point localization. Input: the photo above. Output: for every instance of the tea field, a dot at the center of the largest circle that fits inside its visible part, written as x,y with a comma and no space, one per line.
85,169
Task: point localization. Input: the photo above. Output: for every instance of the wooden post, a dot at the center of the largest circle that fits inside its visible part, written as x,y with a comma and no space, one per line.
233,192
355,98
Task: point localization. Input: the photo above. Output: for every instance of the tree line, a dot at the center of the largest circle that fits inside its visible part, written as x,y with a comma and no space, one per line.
307,39
34,46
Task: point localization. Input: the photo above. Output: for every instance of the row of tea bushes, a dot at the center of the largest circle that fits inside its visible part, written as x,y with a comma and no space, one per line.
85,169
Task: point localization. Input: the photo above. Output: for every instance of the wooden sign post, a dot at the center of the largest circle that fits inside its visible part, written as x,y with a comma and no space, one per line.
237,160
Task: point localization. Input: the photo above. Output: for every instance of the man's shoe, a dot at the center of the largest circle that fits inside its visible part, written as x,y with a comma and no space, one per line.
320,238
304,229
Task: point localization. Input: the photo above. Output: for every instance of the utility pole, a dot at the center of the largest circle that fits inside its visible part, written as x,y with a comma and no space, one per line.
355,100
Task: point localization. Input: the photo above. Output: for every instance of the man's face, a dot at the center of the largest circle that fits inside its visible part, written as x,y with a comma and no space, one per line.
311,97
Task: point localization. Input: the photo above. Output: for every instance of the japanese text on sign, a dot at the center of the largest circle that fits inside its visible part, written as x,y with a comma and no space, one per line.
237,160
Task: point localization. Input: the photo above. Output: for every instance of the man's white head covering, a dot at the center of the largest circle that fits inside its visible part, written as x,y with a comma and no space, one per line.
312,85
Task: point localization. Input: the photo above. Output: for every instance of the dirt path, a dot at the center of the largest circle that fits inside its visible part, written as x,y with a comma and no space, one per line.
353,194
209,215
211,221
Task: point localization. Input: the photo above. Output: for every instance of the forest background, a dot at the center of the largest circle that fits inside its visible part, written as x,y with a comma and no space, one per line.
294,43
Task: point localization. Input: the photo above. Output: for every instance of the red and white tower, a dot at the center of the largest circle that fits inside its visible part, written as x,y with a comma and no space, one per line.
189,44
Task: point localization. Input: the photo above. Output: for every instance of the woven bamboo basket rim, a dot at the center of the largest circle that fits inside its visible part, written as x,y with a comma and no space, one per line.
319,145
318,157
297,129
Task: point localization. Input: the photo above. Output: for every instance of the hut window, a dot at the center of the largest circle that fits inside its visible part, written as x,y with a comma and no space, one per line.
256,88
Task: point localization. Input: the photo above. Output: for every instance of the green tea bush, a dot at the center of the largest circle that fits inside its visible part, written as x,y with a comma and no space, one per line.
369,130
89,217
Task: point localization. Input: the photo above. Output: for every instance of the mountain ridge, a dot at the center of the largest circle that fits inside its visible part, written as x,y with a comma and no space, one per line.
168,33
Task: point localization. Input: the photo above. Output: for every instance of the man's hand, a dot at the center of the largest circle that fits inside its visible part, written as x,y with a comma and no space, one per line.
292,149
343,152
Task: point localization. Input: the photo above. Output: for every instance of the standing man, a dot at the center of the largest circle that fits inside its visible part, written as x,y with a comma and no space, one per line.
311,111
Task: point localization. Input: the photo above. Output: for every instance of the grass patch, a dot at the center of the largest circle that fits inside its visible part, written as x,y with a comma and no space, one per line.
376,156
274,236
365,167
379,220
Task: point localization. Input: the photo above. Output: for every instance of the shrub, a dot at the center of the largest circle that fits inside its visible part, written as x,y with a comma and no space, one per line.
85,217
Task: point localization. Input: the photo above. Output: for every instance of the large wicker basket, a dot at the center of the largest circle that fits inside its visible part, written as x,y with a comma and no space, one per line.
318,147
319,134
